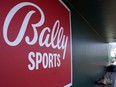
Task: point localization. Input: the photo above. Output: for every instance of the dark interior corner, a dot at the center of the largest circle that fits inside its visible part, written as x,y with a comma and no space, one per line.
100,14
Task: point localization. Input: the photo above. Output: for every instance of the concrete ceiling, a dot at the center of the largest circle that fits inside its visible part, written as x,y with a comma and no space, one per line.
100,14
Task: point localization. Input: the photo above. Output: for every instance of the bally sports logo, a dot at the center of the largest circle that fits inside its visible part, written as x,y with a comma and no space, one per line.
35,44
48,60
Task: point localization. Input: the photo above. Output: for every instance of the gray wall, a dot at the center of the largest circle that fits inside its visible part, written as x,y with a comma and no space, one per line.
90,52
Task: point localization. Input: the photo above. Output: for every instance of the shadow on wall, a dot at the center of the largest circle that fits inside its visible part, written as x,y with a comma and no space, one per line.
90,53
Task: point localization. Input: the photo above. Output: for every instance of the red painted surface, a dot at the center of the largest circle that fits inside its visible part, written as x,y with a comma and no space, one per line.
46,62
